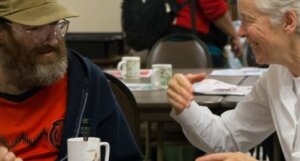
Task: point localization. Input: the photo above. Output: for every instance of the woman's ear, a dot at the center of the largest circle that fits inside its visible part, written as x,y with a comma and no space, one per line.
290,21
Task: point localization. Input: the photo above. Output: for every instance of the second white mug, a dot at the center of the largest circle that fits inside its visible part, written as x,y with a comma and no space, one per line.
130,67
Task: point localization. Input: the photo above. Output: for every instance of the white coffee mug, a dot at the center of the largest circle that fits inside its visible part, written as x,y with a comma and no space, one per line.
161,74
80,150
130,67
296,156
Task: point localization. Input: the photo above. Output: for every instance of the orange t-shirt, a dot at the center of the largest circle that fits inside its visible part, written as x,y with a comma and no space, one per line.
32,129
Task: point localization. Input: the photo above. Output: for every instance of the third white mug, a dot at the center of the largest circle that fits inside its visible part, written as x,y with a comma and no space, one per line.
161,74
80,150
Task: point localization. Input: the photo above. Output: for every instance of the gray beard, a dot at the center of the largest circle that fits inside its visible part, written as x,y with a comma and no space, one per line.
21,69
27,76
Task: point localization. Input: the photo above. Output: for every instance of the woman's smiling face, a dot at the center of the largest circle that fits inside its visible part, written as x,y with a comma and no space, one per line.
265,39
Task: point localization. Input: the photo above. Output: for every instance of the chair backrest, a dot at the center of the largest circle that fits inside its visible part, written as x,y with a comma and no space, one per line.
128,104
180,50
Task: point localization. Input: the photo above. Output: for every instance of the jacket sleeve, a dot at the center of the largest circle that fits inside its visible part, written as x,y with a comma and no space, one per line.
213,9
236,130
109,122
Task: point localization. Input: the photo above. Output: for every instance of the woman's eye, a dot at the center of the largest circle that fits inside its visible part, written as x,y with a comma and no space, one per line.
246,22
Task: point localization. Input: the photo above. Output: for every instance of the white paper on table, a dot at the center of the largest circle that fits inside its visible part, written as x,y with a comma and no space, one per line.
141,86
247,71
216,87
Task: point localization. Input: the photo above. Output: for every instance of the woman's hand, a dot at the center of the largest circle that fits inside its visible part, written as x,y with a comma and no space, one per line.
180,90
235,156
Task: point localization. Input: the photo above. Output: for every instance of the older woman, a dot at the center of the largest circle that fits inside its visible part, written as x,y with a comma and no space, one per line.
272,30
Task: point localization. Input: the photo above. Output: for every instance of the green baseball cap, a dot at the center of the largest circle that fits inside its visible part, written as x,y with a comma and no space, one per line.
34,12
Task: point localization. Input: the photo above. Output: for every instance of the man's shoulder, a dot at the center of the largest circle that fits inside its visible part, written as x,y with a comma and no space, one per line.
82,68
77,60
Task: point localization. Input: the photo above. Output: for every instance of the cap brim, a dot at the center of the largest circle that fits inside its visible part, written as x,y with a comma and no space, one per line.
41,15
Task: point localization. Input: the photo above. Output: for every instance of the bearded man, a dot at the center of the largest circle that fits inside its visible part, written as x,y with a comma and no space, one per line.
47,92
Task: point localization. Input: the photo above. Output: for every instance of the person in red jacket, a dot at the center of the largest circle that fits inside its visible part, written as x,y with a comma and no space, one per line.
213,26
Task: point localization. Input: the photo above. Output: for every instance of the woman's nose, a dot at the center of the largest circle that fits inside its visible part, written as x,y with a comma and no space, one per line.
242,31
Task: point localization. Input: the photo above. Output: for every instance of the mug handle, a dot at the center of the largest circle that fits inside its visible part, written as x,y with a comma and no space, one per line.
107,150
122,68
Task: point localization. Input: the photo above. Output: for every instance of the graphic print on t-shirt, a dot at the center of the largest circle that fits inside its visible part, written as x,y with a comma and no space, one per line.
32,128
54,135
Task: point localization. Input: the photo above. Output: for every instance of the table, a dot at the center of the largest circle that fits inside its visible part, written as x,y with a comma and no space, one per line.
153,104
154,107
229,102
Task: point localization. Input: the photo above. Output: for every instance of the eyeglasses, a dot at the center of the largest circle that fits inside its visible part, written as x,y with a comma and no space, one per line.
39,34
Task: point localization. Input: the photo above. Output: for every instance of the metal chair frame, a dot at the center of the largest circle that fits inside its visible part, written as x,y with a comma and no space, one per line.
180,50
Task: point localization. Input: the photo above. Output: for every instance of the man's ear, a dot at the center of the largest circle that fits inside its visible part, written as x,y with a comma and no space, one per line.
2,31
290,21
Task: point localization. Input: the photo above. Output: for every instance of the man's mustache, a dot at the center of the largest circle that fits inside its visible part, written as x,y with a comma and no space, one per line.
46,49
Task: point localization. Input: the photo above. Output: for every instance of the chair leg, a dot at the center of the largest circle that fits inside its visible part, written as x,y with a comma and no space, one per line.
147,142
160,144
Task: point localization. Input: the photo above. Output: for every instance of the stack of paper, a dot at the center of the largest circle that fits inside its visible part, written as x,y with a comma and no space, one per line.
216,87
249,71
141,86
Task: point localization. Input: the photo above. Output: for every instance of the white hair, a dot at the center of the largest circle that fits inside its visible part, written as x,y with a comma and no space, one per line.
277,8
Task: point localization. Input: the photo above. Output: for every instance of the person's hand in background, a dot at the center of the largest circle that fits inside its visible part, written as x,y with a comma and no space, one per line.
180,90
229,156
6,155
226,25
236,46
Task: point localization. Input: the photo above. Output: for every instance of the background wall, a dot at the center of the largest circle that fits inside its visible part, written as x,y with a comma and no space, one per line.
95,15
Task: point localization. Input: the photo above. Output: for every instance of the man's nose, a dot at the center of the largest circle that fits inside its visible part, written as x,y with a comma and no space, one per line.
51,37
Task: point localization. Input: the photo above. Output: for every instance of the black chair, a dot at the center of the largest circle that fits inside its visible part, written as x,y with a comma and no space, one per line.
128,104
180,50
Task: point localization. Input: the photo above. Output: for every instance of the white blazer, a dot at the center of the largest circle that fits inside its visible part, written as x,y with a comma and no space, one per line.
271,105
